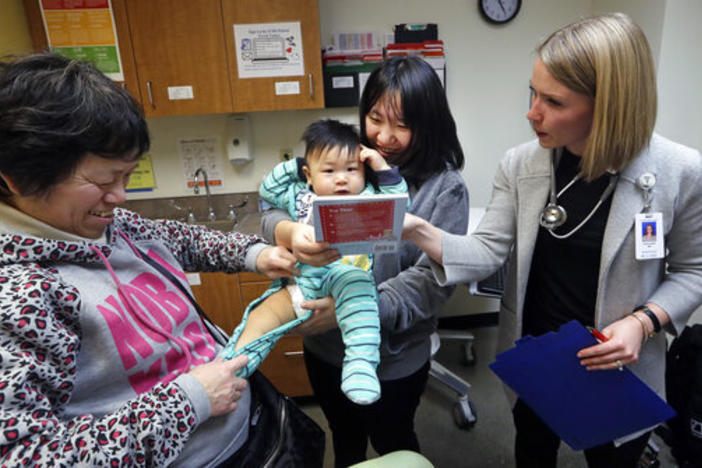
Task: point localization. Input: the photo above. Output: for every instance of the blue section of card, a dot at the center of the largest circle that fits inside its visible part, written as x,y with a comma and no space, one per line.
585,408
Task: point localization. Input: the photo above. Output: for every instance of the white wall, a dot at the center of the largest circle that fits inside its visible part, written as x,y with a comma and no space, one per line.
488,70
488,67
680,73
647,13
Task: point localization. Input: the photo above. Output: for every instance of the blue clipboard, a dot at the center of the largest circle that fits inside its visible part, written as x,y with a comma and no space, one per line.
585,408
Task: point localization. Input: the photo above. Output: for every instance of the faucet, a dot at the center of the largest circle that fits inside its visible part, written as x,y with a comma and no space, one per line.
196,188
231,216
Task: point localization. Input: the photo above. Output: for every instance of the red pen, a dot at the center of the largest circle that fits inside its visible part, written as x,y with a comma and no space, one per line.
597,334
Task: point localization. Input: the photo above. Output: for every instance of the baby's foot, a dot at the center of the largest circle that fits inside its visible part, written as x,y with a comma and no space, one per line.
359,382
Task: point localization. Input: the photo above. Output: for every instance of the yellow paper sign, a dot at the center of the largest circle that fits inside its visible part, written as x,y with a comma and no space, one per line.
142,178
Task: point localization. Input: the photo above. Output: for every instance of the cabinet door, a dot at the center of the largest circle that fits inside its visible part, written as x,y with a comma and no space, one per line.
218,295
259,94
180,56
39,41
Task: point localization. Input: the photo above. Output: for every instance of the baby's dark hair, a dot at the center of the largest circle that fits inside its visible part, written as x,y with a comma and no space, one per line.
324,134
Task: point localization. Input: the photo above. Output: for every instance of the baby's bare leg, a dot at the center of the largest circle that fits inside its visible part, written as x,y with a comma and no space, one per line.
273,312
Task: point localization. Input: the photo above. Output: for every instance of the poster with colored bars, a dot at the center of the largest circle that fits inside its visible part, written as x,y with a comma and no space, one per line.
360,224
83,30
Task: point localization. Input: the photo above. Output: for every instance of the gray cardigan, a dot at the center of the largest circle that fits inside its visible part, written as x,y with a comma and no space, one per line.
510,226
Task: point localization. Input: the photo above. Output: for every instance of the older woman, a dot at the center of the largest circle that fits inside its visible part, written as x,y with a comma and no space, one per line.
567,211
103,357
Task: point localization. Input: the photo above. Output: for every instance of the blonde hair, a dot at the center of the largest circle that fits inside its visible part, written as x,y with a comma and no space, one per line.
608,58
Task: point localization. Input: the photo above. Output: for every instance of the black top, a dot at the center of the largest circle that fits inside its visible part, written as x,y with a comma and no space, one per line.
563,277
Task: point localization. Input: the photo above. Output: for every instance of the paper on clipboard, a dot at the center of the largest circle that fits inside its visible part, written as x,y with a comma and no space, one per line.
585,408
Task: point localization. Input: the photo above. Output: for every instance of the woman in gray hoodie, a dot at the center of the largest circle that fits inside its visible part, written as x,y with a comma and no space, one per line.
104,360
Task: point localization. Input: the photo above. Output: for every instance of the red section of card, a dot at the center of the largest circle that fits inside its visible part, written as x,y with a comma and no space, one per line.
357,222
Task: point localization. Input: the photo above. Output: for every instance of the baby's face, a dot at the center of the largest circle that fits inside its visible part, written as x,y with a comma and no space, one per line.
334,171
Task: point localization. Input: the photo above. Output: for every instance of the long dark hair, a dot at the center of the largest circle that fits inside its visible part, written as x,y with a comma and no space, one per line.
434,145
53,112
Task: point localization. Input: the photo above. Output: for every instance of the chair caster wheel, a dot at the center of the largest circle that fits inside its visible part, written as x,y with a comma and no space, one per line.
467,354
463,413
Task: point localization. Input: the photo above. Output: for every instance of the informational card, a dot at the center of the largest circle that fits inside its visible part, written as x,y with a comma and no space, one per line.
360,224
269,49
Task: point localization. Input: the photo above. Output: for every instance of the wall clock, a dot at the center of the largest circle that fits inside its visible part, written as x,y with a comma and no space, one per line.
499,11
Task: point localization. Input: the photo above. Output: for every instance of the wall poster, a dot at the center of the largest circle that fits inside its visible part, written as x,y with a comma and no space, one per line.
83,30
202,153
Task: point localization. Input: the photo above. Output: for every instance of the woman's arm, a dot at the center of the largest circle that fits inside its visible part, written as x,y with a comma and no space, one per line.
412,295
198,248
424,235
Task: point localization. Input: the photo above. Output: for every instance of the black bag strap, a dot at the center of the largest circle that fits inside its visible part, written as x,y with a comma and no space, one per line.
217,334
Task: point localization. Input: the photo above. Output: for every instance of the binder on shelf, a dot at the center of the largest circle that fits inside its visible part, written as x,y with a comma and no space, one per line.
416,32
585,408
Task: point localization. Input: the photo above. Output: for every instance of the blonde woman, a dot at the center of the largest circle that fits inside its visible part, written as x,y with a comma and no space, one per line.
567,211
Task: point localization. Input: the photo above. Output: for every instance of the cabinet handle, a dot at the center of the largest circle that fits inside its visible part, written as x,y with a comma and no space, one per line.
309,75
293,353
151,96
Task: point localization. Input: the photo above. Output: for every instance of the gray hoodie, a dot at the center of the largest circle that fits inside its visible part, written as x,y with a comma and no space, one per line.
95,346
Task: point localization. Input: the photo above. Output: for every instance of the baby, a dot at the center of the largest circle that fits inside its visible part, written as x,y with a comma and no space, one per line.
333,165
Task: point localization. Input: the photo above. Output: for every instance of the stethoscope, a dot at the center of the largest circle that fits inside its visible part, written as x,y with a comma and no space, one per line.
554,215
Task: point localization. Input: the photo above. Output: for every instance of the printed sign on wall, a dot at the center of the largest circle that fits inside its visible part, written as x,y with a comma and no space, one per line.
83,30
269,49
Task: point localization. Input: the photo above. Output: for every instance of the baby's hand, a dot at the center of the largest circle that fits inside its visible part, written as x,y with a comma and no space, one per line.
375,160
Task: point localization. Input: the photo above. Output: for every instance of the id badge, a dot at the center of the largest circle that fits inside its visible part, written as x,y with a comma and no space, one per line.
648,230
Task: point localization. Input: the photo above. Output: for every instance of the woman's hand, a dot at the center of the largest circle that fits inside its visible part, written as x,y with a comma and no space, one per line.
276,262
375,160
625,337
222,387
307,251
323,317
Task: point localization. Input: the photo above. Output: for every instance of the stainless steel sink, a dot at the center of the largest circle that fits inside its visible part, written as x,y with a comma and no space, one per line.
224,225
249,223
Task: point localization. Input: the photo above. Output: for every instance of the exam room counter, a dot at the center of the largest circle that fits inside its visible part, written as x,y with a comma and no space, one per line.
224,297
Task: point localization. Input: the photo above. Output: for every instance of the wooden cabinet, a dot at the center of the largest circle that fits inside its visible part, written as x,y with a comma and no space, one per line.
260,93
219,296
179,56
224,298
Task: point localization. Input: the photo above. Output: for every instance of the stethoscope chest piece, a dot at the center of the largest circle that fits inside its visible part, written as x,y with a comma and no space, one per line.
552,216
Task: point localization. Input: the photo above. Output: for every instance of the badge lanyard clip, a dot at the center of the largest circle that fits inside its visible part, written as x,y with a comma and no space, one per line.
646,182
